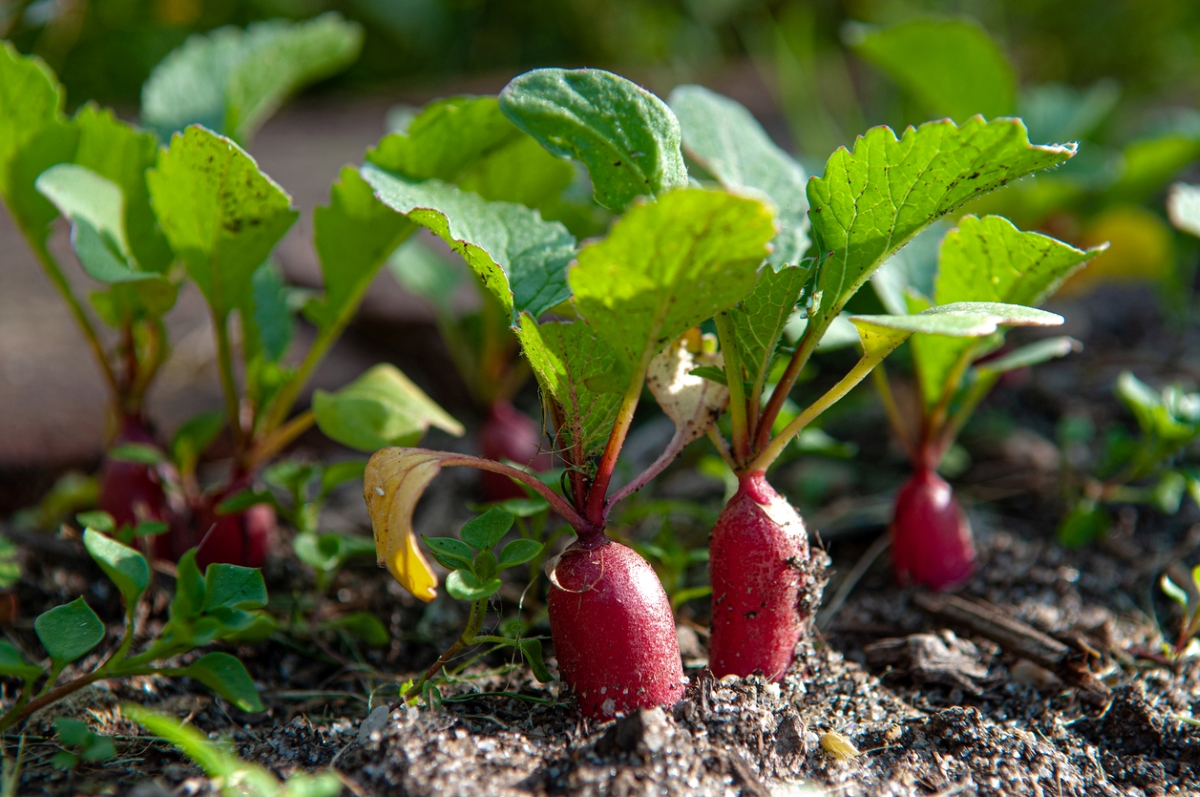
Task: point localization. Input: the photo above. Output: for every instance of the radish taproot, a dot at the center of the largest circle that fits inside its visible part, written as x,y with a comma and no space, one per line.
930,533
765,582
132,492
509,435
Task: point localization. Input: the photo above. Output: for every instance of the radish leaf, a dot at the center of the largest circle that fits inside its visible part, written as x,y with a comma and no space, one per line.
760,319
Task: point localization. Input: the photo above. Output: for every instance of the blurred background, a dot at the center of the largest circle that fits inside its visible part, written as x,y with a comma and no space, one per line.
1120,76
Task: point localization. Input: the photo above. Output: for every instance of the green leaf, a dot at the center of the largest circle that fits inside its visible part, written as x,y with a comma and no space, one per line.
353,236
950,66
469,142
233,587
1086,522
1174,591
989,260
668,265
69,631
1151,162
233,80
531,650
1183,208
759,321
1032,354
269,322
1172,417
565,357
140,453
189,589
12,663
30,100
98,520
194,437
450,553
244,499
221,214
871,202
1057,112
722,136
963,319
210,757
364,625
464,586
520,257
628,138
72,732
381,408
339,473
124,566
226,676
484,531
519,552
425,273
1167,493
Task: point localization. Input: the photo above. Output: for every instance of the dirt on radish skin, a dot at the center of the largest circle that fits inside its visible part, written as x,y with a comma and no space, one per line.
931,536
613,631
510,435
130,491
766,584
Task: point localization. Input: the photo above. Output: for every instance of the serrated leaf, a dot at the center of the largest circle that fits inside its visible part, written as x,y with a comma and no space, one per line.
730,144
759,320
988,260
464,586
380,408
521,258
232,80
233,587
519,552
353,236
1183,208
13,664
450,553
871,202
950,66
124,566
691,402
626,137
469,142
911,270
69,631
226,676
1032,354
484,531
221,214
668,265
565,357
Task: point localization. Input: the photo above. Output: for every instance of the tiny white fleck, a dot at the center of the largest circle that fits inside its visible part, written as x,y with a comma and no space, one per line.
379,492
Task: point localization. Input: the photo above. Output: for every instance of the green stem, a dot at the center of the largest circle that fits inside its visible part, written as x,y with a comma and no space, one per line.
279,439
81,318
884,388
936,419
983,384
466,639
804,349
229,383
772,450
737,390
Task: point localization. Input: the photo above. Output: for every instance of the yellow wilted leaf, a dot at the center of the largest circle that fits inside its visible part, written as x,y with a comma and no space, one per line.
691,402
838,746
394,481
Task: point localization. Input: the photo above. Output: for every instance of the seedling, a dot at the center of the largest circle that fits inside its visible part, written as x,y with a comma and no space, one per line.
139,211
1148,469
91,746
233,776
206,608
1189,606
869,203
624,311
982,260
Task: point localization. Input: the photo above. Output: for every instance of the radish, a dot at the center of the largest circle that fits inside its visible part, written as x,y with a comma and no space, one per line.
931,536
132,492
613,631
510,435
759,565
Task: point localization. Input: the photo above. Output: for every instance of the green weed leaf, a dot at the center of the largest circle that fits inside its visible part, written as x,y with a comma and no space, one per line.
871,202
233,587
221,214
520,257
729,143
519,552
531,649
226,676
124,566
98,520
950,66
450,553
668,265
189,590
381,408
232,80
628,138
484,531
13,664
464,586
69,631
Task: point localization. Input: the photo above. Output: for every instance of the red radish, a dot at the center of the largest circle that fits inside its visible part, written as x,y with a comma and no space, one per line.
241,538
130,491
613,630
760,569
931,536
509,434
